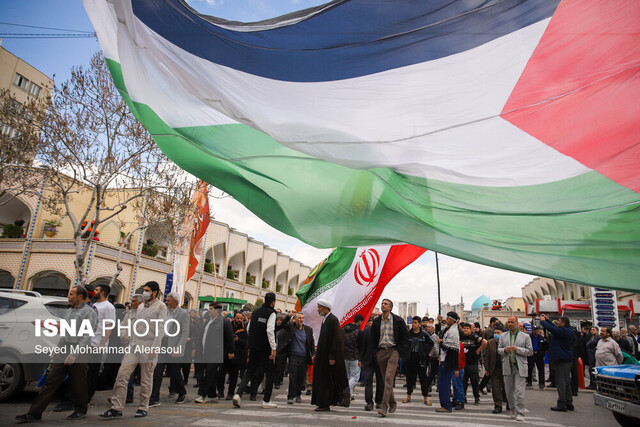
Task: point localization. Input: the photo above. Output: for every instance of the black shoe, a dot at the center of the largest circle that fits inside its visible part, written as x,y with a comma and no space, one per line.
477,401
153,403
308,392
140,413
252,397
196,385
277,386
377,406
570,408
77,415
298,399
496,411
368,407
27,418
558,409
111,413
459,407
529,385
64,407
181,398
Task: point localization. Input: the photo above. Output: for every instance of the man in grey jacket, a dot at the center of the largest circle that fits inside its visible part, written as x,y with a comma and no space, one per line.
515,347
178,321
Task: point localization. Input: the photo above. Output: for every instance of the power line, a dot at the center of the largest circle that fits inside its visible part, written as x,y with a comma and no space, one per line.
45,36
46,28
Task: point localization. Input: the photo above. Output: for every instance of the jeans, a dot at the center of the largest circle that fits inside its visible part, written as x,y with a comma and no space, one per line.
458,390
353,373
445,376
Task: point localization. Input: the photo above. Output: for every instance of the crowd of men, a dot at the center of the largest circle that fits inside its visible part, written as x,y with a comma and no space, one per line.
251,352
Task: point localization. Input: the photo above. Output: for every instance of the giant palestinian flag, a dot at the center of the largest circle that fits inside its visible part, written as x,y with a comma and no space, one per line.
352,280
504,132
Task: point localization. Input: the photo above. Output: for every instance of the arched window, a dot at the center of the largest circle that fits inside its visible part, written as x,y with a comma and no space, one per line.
52,283
6,280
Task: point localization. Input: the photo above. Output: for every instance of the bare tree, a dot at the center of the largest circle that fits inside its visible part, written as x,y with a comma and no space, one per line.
85,144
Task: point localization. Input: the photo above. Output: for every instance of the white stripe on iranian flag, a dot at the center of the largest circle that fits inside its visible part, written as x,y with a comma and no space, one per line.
358,284
437,119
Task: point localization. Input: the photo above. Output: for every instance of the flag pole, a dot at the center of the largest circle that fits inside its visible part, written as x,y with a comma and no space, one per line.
438,278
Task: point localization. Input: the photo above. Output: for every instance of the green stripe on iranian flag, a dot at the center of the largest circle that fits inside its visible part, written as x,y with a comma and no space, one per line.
581,229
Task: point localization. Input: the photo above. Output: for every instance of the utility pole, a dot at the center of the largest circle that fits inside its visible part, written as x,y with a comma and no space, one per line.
438,277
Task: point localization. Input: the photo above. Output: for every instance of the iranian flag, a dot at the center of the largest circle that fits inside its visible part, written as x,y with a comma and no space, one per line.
500,132
352,280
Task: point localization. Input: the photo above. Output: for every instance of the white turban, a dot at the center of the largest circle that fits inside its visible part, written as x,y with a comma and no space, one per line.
324,303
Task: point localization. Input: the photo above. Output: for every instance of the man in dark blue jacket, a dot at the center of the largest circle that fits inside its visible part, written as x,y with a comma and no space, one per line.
561,354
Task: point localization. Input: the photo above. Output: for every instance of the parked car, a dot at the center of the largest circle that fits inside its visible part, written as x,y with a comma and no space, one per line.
20,364
618,389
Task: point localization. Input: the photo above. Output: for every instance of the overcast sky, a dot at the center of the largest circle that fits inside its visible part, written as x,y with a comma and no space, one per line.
56,57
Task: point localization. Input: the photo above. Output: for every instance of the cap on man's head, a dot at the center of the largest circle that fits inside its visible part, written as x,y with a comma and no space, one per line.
269,297
324,303
453,315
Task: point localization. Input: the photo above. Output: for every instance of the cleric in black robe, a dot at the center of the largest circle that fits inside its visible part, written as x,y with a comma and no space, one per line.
330,383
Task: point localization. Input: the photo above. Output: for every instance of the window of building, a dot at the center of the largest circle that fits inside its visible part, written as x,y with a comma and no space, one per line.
21,81
8,131
34,89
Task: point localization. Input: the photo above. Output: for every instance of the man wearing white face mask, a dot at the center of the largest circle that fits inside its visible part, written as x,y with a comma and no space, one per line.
146,337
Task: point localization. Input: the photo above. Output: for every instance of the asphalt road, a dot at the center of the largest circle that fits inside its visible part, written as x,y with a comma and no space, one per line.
250,414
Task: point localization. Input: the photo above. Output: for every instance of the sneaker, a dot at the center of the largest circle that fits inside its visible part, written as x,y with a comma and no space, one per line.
308,392
377,406
382,413
140,413
154,403
180,398
496,411
529,385
290,400
513,414
77,415
172,395
236,400
268,405
368,407
253,398
477,402
25,418
111,413
520,418
459,407
298,399
200,399
558,409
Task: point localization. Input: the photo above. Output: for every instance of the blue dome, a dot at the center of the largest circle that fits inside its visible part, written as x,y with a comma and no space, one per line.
481,302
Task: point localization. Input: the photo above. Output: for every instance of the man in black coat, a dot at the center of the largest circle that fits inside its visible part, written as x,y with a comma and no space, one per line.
239,362
330,383
391,338
212,353
262,352
298,345
418,359
370,364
